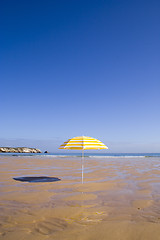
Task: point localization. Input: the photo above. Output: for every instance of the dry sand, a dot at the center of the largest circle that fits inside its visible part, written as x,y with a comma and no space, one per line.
119,200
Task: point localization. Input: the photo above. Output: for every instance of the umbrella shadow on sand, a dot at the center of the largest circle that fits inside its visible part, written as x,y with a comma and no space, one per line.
37,179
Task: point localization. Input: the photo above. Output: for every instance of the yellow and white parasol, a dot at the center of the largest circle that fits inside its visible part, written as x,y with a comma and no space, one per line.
83,143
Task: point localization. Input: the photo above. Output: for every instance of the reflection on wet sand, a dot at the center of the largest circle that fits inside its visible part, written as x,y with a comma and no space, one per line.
120,199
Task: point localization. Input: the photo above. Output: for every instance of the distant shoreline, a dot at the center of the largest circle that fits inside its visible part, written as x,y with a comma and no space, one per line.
19,150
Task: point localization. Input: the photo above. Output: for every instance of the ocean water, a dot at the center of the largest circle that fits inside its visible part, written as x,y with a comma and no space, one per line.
86,154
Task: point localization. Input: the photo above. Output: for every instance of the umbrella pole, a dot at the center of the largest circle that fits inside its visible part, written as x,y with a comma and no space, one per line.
82,164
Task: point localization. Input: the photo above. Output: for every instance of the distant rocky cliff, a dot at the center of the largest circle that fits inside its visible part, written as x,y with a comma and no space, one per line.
19,150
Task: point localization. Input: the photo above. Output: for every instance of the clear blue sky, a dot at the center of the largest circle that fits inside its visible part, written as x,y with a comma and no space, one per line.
70,68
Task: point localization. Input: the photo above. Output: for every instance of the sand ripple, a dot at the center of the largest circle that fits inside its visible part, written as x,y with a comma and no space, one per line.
50,226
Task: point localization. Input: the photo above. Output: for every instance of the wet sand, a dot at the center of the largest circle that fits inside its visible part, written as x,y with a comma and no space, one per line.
119,200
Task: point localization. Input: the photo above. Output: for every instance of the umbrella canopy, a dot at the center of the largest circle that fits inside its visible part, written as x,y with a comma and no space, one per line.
83,143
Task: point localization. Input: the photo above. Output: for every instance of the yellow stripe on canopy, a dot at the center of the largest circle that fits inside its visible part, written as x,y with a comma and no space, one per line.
83,143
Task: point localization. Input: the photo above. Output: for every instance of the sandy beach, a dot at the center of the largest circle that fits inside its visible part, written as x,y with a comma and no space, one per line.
119,200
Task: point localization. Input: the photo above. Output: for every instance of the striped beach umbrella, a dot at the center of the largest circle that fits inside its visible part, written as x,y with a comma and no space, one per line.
83,143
